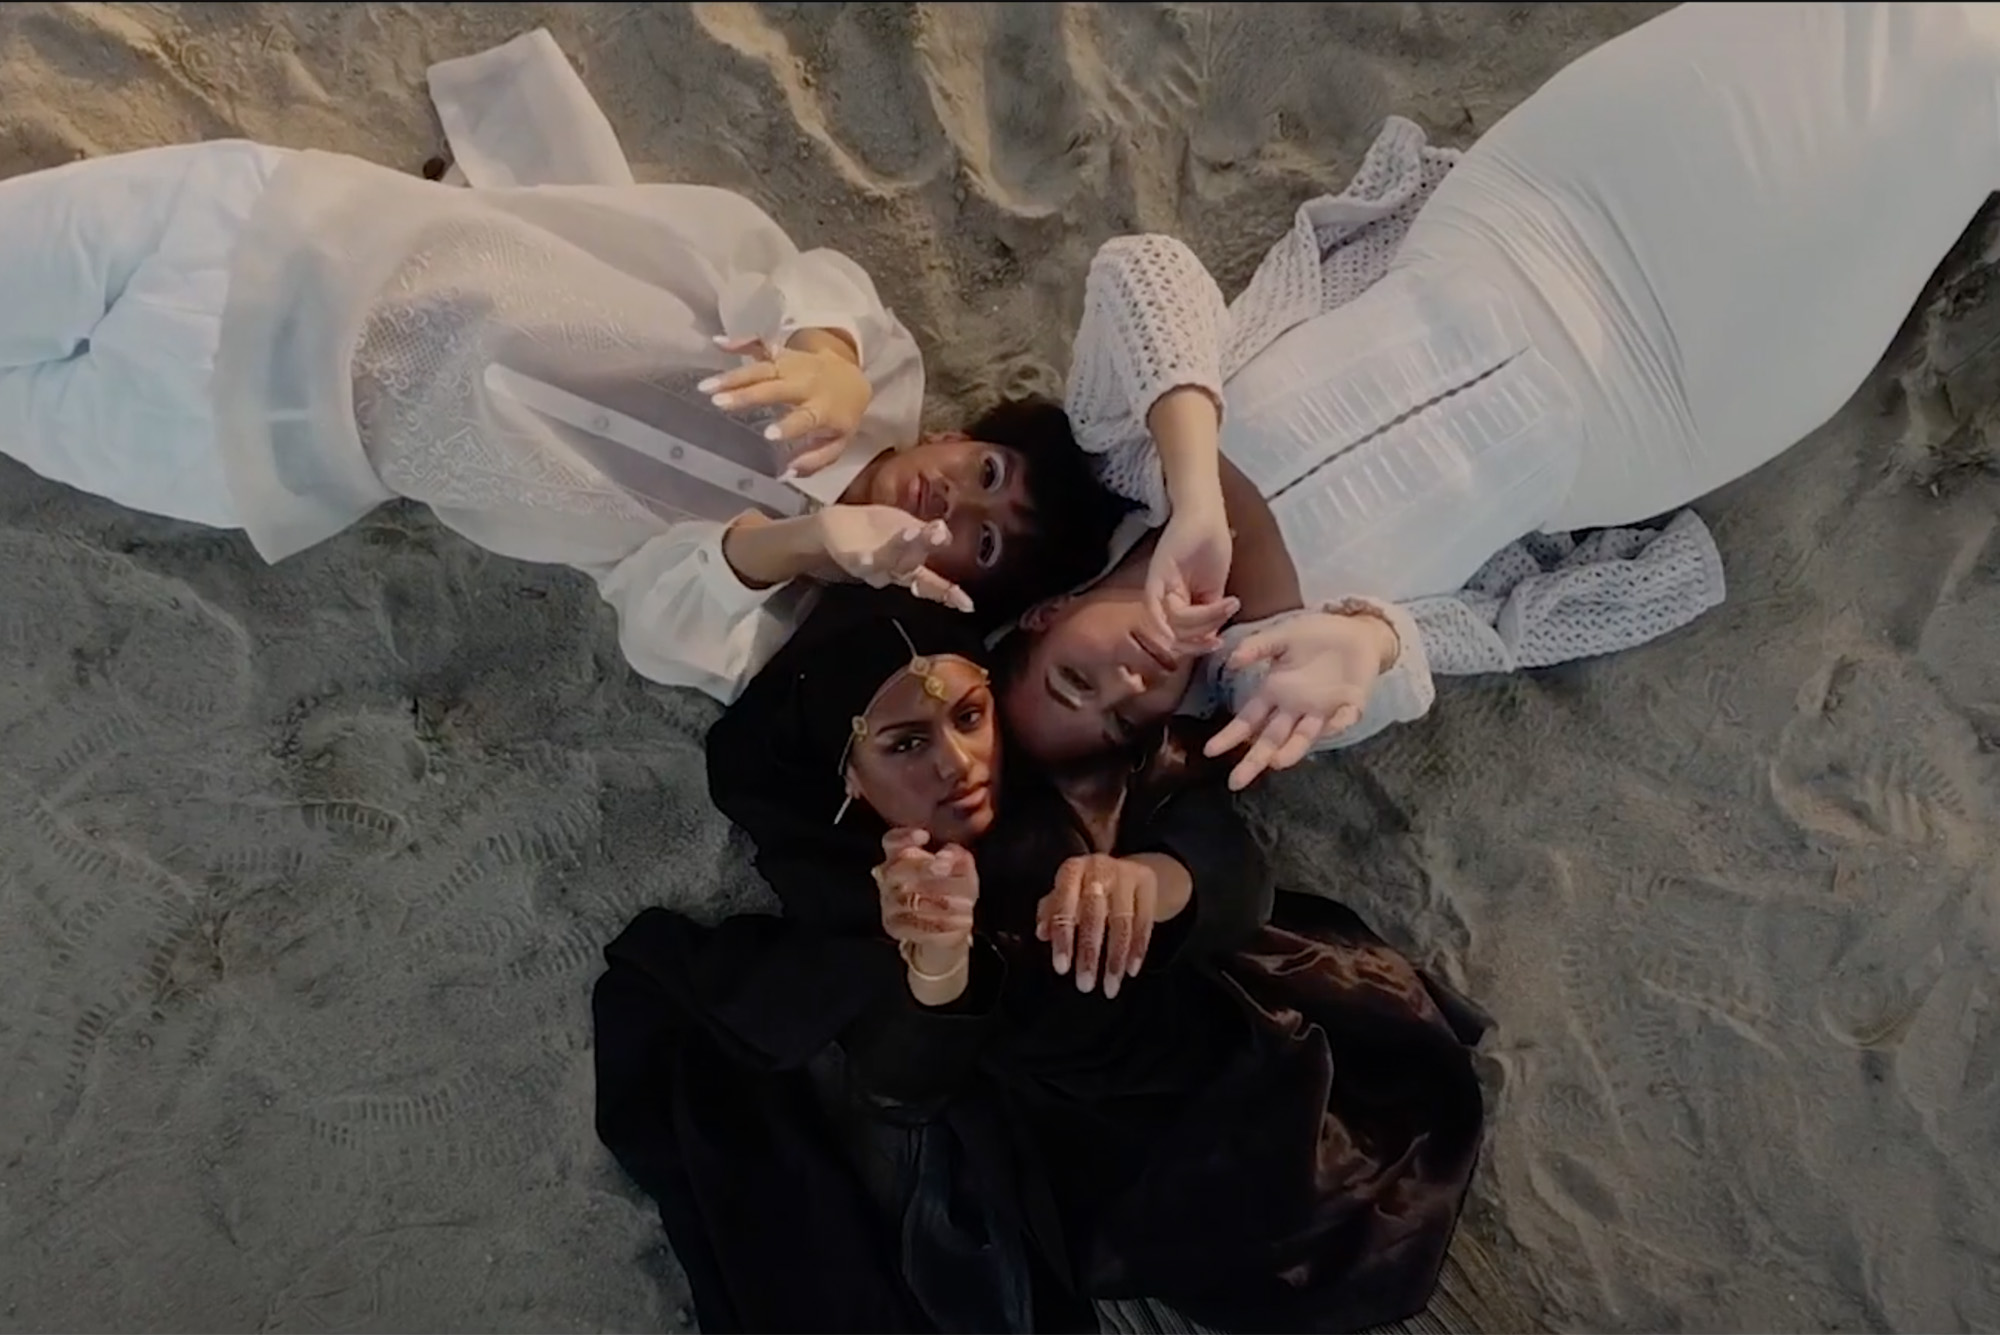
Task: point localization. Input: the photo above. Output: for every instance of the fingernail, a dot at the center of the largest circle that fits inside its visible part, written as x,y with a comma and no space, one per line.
908,535
723,340
1084,981
1110,986
790,474
1061,961
708,386
771,432
1132,969
723,400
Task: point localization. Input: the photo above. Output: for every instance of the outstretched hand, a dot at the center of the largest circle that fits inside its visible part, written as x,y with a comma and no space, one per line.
1322,668
880,545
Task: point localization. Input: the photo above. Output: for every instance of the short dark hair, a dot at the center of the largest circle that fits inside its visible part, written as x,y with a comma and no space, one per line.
1071,515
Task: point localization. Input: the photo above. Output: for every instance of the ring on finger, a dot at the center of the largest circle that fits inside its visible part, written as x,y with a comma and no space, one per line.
1062,919
1095,891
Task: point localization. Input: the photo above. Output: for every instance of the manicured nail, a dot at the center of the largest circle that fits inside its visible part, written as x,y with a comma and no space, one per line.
1061,961
723,400
791,474
709,385
1084,981
771,432
1132,968
1110,986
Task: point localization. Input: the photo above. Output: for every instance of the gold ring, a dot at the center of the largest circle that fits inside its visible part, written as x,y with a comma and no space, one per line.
1062,920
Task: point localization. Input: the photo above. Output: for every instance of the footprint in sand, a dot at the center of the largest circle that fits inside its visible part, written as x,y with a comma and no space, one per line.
1873,754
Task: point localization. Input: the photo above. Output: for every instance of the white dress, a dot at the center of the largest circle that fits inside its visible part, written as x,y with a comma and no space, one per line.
1670,263
279,341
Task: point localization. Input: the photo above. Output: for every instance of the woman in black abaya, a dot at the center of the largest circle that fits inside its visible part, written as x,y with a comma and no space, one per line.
891,1109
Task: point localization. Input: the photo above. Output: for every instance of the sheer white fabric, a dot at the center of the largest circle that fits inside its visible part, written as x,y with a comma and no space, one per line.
369,309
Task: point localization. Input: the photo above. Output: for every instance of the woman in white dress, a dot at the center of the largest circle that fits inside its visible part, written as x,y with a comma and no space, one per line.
275,340
1673,261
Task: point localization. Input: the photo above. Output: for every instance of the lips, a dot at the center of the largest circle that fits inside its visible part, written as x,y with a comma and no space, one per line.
964,804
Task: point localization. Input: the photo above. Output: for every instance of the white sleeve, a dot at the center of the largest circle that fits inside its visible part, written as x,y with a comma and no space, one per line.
1153,320
1402,694
685,619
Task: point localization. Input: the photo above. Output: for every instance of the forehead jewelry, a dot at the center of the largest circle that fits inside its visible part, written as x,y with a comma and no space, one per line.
921,666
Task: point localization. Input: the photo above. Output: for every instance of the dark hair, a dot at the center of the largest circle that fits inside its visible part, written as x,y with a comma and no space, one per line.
1072,515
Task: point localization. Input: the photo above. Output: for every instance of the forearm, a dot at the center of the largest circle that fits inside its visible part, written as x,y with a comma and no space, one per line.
765,552
1262,574
1186,426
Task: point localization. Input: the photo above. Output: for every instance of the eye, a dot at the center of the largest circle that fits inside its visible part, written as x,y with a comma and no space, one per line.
989,546
906,745
992,472
971,717
1074,680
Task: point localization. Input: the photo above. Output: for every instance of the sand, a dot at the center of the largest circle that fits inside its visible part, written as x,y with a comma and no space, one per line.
304,871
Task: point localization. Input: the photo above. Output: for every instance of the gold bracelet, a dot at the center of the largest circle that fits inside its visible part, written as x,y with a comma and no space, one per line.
1361,607
908,950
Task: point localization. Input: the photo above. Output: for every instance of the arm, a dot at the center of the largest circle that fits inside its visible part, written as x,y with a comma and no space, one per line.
1197,839
1262,576
1146,369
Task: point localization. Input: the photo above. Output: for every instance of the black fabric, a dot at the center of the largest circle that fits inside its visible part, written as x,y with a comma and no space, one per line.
1271,1128
774,755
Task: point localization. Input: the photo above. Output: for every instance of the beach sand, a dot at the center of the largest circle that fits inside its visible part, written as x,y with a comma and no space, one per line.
304,871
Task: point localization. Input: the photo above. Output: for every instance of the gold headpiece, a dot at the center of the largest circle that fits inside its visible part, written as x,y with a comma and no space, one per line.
921,666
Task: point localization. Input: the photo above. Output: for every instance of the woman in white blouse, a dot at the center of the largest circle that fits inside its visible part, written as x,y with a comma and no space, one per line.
1674,260
279,341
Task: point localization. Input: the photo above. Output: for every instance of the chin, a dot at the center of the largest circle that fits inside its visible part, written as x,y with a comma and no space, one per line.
952,828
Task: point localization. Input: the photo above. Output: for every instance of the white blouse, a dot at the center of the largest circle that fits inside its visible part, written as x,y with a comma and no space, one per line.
523,360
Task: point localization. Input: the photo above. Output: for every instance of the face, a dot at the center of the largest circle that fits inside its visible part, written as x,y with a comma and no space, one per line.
979,490
931,763
1093,678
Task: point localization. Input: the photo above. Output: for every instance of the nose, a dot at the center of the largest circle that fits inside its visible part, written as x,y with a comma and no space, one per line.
954,758
1131,683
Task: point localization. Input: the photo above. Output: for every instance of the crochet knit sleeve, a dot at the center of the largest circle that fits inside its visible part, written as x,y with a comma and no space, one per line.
1153,320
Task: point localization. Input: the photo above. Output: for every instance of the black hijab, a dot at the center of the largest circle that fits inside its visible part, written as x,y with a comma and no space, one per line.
774,757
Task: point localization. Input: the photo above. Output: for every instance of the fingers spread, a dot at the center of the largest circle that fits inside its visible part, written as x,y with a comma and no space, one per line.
1258,758
1255,713
1301,741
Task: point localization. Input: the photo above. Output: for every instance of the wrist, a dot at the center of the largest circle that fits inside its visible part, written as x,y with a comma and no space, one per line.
1388,641
833,341
764,552
936,959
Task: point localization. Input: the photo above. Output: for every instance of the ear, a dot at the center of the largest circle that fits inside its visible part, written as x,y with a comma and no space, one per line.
1043,614
853,784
